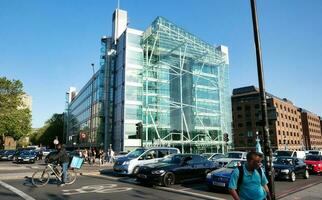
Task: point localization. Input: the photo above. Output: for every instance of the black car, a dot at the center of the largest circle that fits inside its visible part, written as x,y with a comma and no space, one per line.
289,168
27,156
175,168
8,155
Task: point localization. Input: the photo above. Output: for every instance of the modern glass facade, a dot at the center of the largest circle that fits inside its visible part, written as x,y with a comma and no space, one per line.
174,83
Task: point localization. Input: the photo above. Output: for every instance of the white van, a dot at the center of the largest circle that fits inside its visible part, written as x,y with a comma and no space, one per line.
229,156
295,154
314,152
130,163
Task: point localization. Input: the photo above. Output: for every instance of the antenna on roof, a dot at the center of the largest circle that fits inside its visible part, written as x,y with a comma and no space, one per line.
118,4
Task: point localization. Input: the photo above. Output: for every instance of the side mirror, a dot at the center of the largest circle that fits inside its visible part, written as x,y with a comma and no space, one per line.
141,158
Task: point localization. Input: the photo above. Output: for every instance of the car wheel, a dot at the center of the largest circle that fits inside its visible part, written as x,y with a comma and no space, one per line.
169,179
292,177
136,170
306,174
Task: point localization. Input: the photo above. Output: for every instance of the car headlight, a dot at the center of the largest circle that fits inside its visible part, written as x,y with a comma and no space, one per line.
126,162
158,171
209,176
285,171
19,157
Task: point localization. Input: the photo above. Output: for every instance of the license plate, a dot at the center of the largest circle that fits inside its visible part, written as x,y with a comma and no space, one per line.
25,159
218,184
142,176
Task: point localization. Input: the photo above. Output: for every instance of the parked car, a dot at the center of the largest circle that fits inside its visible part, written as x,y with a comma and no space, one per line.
8,155
130,163
220,178
289,168
295,154
232,155
212,156
314,163
314,152
45,152
174,169
27,156
2,152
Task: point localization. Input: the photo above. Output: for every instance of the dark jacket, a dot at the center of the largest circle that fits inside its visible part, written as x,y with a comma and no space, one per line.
61,156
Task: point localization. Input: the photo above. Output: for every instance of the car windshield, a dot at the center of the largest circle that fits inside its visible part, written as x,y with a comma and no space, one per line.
284,161
313,157
283,153
206,155
235,163
233,155
136,153
314,152
173,159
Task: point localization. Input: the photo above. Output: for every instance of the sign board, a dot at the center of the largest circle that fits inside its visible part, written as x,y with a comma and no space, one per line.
56,141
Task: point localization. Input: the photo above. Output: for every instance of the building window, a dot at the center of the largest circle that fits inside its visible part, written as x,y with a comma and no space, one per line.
248,124
239,108
256,106
240,125
247,108
279,142
279,132
239,116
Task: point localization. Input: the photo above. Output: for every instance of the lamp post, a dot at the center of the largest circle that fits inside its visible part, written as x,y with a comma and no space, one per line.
267,144
92,102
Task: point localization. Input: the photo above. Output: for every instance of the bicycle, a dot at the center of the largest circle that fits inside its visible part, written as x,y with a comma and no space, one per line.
41,177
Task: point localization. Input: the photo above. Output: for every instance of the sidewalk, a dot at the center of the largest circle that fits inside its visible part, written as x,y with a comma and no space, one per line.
310,193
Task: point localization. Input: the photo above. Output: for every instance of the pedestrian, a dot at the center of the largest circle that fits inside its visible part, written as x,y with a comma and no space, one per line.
101,157
248,182
112,154
86,155
63,160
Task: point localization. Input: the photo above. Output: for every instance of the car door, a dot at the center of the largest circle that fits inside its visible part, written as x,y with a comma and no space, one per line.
298,168
184,170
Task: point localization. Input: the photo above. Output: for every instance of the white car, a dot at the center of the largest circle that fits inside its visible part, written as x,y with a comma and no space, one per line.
228,157
131,163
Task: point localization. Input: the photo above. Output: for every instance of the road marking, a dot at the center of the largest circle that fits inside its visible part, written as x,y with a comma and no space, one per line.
190,193
105,188
15,190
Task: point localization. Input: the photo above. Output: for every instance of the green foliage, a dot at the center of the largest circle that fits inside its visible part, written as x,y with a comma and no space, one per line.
15,120
52,128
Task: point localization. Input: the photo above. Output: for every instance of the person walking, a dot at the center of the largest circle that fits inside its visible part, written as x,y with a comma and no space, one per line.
248,182
112,154
63,160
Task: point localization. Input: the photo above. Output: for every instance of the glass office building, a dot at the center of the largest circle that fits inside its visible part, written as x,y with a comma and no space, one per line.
170,80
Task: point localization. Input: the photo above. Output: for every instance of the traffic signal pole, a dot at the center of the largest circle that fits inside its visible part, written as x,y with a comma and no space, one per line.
267,144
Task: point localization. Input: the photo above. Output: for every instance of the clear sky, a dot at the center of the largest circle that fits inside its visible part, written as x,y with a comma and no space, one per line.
49,45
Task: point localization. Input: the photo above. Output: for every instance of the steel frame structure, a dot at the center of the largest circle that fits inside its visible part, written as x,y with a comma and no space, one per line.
170,50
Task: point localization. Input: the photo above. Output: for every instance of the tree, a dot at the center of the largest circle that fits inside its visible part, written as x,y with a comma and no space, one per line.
15,119
53,128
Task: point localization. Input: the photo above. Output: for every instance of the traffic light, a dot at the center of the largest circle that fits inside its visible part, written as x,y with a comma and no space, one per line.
226,138
139,130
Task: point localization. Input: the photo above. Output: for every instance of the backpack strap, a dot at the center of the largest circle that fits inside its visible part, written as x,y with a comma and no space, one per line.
259,170
240,177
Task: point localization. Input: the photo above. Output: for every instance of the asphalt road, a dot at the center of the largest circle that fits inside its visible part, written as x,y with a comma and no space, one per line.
109,186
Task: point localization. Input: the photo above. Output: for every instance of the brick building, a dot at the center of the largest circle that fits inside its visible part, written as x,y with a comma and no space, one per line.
284,120
311,129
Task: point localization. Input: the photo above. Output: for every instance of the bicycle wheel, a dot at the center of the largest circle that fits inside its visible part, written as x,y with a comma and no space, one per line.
71,177
40,178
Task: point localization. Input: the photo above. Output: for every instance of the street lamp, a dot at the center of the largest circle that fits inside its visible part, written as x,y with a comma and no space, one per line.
267,144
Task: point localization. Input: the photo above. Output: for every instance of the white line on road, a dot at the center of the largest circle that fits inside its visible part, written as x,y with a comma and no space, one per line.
190,193
15,190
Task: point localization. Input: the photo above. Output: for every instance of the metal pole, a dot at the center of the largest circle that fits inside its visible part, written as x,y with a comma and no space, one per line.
267,143
92,102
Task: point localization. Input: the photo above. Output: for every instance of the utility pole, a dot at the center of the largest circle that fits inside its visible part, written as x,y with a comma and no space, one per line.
267,144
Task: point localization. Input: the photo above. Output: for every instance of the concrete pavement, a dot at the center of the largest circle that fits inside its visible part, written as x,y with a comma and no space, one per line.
311,192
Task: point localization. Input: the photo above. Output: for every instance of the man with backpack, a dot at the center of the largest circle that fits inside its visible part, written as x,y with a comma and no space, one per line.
62,158
248,182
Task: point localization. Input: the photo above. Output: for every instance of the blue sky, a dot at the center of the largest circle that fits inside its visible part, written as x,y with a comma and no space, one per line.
49,45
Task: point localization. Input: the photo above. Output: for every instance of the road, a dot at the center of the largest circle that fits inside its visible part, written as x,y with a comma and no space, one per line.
109,186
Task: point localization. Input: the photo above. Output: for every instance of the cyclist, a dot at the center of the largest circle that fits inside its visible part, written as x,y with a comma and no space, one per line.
62,158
